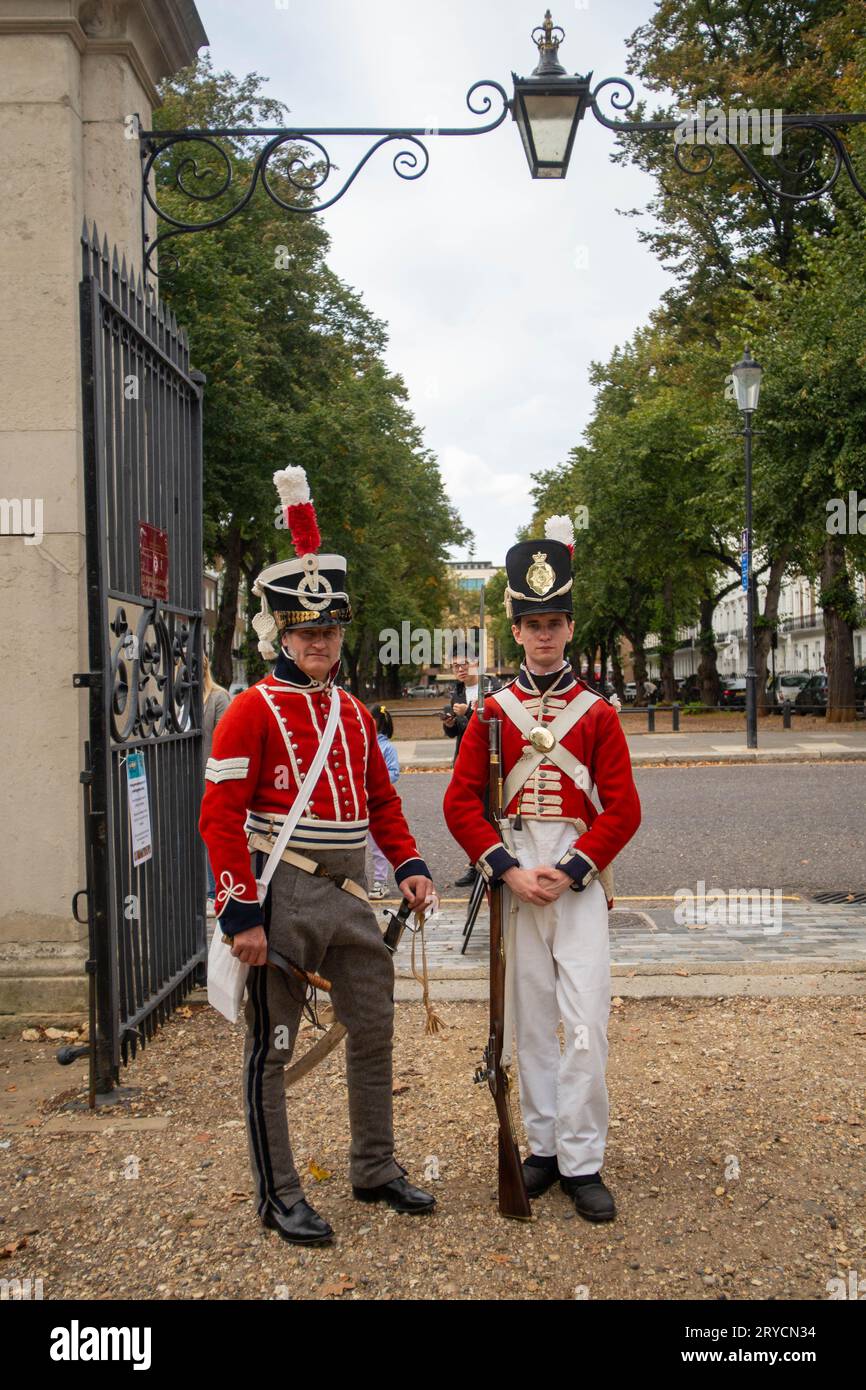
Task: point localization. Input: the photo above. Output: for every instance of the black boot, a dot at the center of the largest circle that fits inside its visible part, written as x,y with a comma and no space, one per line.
591,1198
467,879
539,1173
399,1194
301,1225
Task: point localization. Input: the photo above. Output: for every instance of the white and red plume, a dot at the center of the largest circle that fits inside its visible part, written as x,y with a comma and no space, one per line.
298,509
560,528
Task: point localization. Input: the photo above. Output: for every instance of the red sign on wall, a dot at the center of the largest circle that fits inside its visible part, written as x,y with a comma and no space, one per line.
153,561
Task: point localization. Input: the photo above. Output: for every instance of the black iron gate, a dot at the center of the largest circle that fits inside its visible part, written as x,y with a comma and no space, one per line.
143,771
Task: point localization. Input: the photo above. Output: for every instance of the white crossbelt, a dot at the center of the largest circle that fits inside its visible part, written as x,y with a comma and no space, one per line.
532,758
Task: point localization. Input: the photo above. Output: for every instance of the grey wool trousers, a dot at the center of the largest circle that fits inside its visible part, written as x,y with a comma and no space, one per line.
321,928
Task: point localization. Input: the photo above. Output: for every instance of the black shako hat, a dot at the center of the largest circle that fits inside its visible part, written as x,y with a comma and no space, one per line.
539,572
309,589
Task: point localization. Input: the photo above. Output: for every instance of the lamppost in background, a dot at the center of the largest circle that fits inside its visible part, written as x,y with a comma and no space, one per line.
747,385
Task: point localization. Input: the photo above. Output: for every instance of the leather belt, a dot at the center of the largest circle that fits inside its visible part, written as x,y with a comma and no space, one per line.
308,866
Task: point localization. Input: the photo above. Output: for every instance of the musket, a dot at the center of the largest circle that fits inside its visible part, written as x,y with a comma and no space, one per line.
513,1199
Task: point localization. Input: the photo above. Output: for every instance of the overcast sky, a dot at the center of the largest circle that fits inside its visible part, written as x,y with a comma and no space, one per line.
498,290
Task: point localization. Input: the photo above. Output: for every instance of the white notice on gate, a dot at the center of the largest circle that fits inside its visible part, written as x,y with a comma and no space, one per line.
139,808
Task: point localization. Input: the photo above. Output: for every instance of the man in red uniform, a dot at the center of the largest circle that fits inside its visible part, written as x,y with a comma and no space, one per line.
570,805
320,921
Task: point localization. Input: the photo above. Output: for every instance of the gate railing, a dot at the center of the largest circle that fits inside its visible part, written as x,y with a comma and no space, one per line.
143,505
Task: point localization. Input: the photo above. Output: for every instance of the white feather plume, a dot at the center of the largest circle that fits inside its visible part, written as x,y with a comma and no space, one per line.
559,528
292,485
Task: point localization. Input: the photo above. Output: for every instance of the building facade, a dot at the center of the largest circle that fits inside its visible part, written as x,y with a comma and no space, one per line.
800,629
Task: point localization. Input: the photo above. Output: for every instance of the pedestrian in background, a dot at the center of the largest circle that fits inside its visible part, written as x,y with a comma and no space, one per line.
384,734
215,701
455,720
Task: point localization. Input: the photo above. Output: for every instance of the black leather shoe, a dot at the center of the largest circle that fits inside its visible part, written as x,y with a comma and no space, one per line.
467,880
301,1225
539,1175
399,1194
592,1200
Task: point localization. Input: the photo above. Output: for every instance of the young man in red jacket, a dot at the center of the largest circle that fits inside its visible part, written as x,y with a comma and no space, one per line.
316,914
569,805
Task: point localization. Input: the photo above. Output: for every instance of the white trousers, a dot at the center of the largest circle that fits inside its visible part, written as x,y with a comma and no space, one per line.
560,955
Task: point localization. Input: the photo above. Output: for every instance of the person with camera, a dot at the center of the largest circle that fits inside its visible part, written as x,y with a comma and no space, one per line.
455,720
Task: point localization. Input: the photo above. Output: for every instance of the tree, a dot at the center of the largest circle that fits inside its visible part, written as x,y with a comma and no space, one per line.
294,362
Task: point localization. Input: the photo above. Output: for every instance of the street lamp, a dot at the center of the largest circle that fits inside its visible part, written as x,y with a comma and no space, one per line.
548,106
747,386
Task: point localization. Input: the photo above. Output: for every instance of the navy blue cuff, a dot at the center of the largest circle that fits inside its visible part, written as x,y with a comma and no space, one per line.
500,861
410,868
239,916
577,868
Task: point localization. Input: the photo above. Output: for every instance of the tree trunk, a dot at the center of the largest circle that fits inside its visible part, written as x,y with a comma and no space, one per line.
764,631
618,682
391,684
839,603
224,632
602,658
667,642
708,673
350,666
639,664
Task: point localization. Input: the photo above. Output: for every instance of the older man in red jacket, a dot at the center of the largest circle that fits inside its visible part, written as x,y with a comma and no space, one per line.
316,914
570,805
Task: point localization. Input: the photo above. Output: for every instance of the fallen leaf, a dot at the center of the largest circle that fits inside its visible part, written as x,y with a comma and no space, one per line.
320,1174
31,1035
12,1247
681,972
339,1288
400,1090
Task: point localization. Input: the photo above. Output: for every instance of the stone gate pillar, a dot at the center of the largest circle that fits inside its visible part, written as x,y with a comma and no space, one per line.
71,73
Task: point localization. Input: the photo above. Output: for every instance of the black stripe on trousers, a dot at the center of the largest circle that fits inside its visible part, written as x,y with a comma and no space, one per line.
255,1111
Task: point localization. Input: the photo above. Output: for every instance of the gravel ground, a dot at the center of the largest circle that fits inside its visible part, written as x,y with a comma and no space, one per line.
736,1154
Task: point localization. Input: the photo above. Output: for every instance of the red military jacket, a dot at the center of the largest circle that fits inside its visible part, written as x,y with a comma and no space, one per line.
596,740
262,747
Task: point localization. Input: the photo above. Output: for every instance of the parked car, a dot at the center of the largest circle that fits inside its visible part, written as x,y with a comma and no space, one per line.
812,697
236,687
786,686
629,690
860,688
732,693
420,692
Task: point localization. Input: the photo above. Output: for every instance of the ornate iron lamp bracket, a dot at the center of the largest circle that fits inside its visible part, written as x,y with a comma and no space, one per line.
309,166
308,171
825,124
